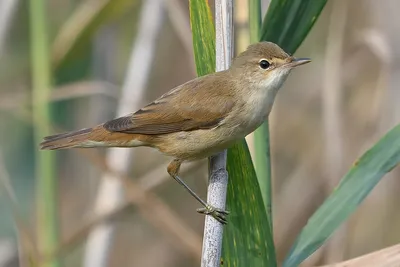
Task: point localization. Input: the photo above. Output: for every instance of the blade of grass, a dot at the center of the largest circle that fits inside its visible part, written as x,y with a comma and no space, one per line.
261,135
353,188
46,193
287,23
262,150
254,20
203,37
248,240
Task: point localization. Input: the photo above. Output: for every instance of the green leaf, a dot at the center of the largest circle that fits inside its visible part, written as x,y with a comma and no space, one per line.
352,190
247,238
247,241
203,36
261,135
287,23
254,20
262,151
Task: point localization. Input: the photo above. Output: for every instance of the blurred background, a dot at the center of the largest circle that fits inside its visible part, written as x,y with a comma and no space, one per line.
109,58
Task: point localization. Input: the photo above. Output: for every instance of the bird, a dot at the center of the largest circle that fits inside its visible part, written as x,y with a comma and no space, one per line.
199,118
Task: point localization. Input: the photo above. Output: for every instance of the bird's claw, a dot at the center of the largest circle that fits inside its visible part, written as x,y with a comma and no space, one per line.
218,214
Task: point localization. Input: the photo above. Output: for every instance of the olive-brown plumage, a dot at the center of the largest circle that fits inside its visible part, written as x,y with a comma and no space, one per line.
199,118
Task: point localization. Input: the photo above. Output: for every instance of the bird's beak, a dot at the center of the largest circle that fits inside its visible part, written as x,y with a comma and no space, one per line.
297,62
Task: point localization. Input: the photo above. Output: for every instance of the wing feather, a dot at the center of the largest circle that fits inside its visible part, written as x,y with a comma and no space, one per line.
198,104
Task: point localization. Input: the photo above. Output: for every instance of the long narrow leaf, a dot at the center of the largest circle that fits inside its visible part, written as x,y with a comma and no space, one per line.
254,20
287,23
203,36
354,187
261,135
248,239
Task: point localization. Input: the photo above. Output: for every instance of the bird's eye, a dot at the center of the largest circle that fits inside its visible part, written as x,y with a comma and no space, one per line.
264,64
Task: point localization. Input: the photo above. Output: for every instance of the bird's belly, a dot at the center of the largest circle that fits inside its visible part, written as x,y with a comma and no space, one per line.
200,143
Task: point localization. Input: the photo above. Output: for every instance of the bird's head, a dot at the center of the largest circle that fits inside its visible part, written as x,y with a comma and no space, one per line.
266,64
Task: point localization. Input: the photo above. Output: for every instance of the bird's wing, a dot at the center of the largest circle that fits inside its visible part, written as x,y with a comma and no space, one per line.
198,104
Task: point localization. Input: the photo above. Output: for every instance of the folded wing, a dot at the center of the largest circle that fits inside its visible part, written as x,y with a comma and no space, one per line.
199,104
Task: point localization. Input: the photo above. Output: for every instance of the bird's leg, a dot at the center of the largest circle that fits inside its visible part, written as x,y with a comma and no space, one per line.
218,214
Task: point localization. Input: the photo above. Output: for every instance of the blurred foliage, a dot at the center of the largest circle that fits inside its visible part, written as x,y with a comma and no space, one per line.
77,32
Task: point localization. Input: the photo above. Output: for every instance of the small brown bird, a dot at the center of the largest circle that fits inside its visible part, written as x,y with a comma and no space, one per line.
199,118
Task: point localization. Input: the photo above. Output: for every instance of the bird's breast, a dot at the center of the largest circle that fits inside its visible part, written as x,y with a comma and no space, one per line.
255,109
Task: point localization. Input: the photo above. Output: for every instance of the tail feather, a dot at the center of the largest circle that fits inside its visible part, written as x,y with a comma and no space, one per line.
66,140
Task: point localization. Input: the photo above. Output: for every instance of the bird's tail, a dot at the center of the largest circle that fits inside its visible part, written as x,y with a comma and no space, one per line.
79,138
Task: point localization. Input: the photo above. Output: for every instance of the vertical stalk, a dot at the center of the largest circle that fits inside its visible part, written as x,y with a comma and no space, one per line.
47,223
261,135
263,165
218,182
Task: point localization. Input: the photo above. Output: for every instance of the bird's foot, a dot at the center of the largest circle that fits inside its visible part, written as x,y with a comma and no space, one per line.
218,214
